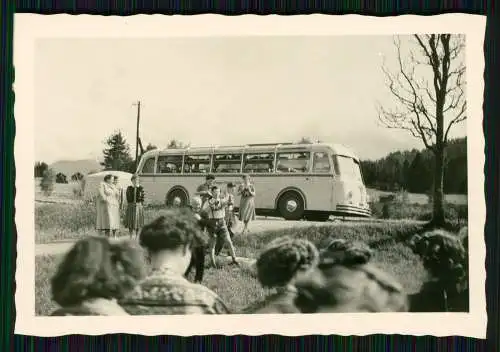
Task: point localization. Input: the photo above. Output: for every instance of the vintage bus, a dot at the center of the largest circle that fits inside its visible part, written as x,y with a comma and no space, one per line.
294,181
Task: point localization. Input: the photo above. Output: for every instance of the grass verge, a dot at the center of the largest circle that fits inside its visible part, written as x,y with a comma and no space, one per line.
238,289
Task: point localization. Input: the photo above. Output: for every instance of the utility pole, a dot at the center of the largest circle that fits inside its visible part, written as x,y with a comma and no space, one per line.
137,134
136,163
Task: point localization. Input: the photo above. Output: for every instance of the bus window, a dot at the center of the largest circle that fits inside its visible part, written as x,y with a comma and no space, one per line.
227,163
347,167
169,164
149,166
293,162
197,164
321,163
259,163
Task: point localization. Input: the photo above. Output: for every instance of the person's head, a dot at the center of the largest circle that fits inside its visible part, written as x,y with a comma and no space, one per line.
245,178
350,288
344,252
97,268
345,281
215,191
196,204
115,180
210,179
135,180
171,237
177,202
108,178
285,260
443,255
230,187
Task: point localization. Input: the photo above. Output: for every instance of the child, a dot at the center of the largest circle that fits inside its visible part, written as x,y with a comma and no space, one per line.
217,224
198,252
230,217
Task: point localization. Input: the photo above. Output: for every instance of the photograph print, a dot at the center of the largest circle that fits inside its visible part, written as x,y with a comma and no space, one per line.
270,174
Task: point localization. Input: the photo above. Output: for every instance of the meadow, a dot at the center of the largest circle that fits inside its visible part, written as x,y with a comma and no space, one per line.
238,288
61,217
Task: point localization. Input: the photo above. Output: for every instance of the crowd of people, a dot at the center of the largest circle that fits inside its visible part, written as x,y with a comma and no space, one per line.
109,203
101,276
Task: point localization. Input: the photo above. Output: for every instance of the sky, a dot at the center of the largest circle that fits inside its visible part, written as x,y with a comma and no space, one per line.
213,90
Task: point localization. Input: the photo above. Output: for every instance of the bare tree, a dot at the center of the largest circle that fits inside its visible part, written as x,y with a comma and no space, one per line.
428,87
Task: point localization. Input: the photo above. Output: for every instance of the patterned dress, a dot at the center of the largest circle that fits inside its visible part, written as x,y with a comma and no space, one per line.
134,217
165,292
247,203
92,307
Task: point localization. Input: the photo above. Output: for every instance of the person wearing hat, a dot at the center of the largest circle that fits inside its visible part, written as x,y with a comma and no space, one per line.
204,190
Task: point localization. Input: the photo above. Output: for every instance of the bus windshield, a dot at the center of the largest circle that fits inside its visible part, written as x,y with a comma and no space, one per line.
347,167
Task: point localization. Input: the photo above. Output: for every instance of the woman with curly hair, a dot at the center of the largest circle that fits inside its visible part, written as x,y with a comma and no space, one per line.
445,258
94,275
169,241
346,281
283,262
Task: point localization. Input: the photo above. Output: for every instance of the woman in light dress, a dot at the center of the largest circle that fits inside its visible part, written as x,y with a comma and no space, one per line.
247,204
108,207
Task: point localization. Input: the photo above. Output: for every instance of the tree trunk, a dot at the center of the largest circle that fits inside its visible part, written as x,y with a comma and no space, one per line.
438,218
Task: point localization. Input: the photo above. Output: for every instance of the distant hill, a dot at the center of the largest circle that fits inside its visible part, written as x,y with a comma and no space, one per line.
69,167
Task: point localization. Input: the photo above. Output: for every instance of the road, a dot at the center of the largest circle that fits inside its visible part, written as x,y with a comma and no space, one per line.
259,225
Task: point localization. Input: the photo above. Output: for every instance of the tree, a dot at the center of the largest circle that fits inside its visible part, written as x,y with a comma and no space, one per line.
429,90
61,178
40,168
117,154
77,176
176,144
305,140
151,147
47,182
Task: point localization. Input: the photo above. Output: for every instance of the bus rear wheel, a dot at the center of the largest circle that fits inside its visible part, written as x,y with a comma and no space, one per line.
291,206
181,196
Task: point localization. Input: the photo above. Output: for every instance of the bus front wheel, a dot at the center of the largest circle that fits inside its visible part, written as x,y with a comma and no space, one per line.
291,206
181,196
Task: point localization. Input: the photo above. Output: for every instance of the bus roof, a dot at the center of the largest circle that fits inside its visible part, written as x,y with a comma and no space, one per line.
337,149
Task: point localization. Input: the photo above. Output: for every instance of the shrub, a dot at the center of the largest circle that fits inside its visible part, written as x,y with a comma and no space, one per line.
65,217
47,183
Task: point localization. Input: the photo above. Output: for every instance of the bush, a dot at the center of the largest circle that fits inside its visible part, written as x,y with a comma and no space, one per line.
65,217
78,189
398,210
47,183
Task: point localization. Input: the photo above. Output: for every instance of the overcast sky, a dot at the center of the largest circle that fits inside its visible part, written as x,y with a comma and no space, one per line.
218,90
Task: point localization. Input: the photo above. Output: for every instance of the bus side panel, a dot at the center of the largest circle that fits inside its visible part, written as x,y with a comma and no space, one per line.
319,192
152,187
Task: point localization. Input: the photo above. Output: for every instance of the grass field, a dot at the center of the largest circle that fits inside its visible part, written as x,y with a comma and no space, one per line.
240,289
62,217
416,198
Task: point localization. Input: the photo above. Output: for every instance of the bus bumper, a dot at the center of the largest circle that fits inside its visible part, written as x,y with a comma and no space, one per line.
352,210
